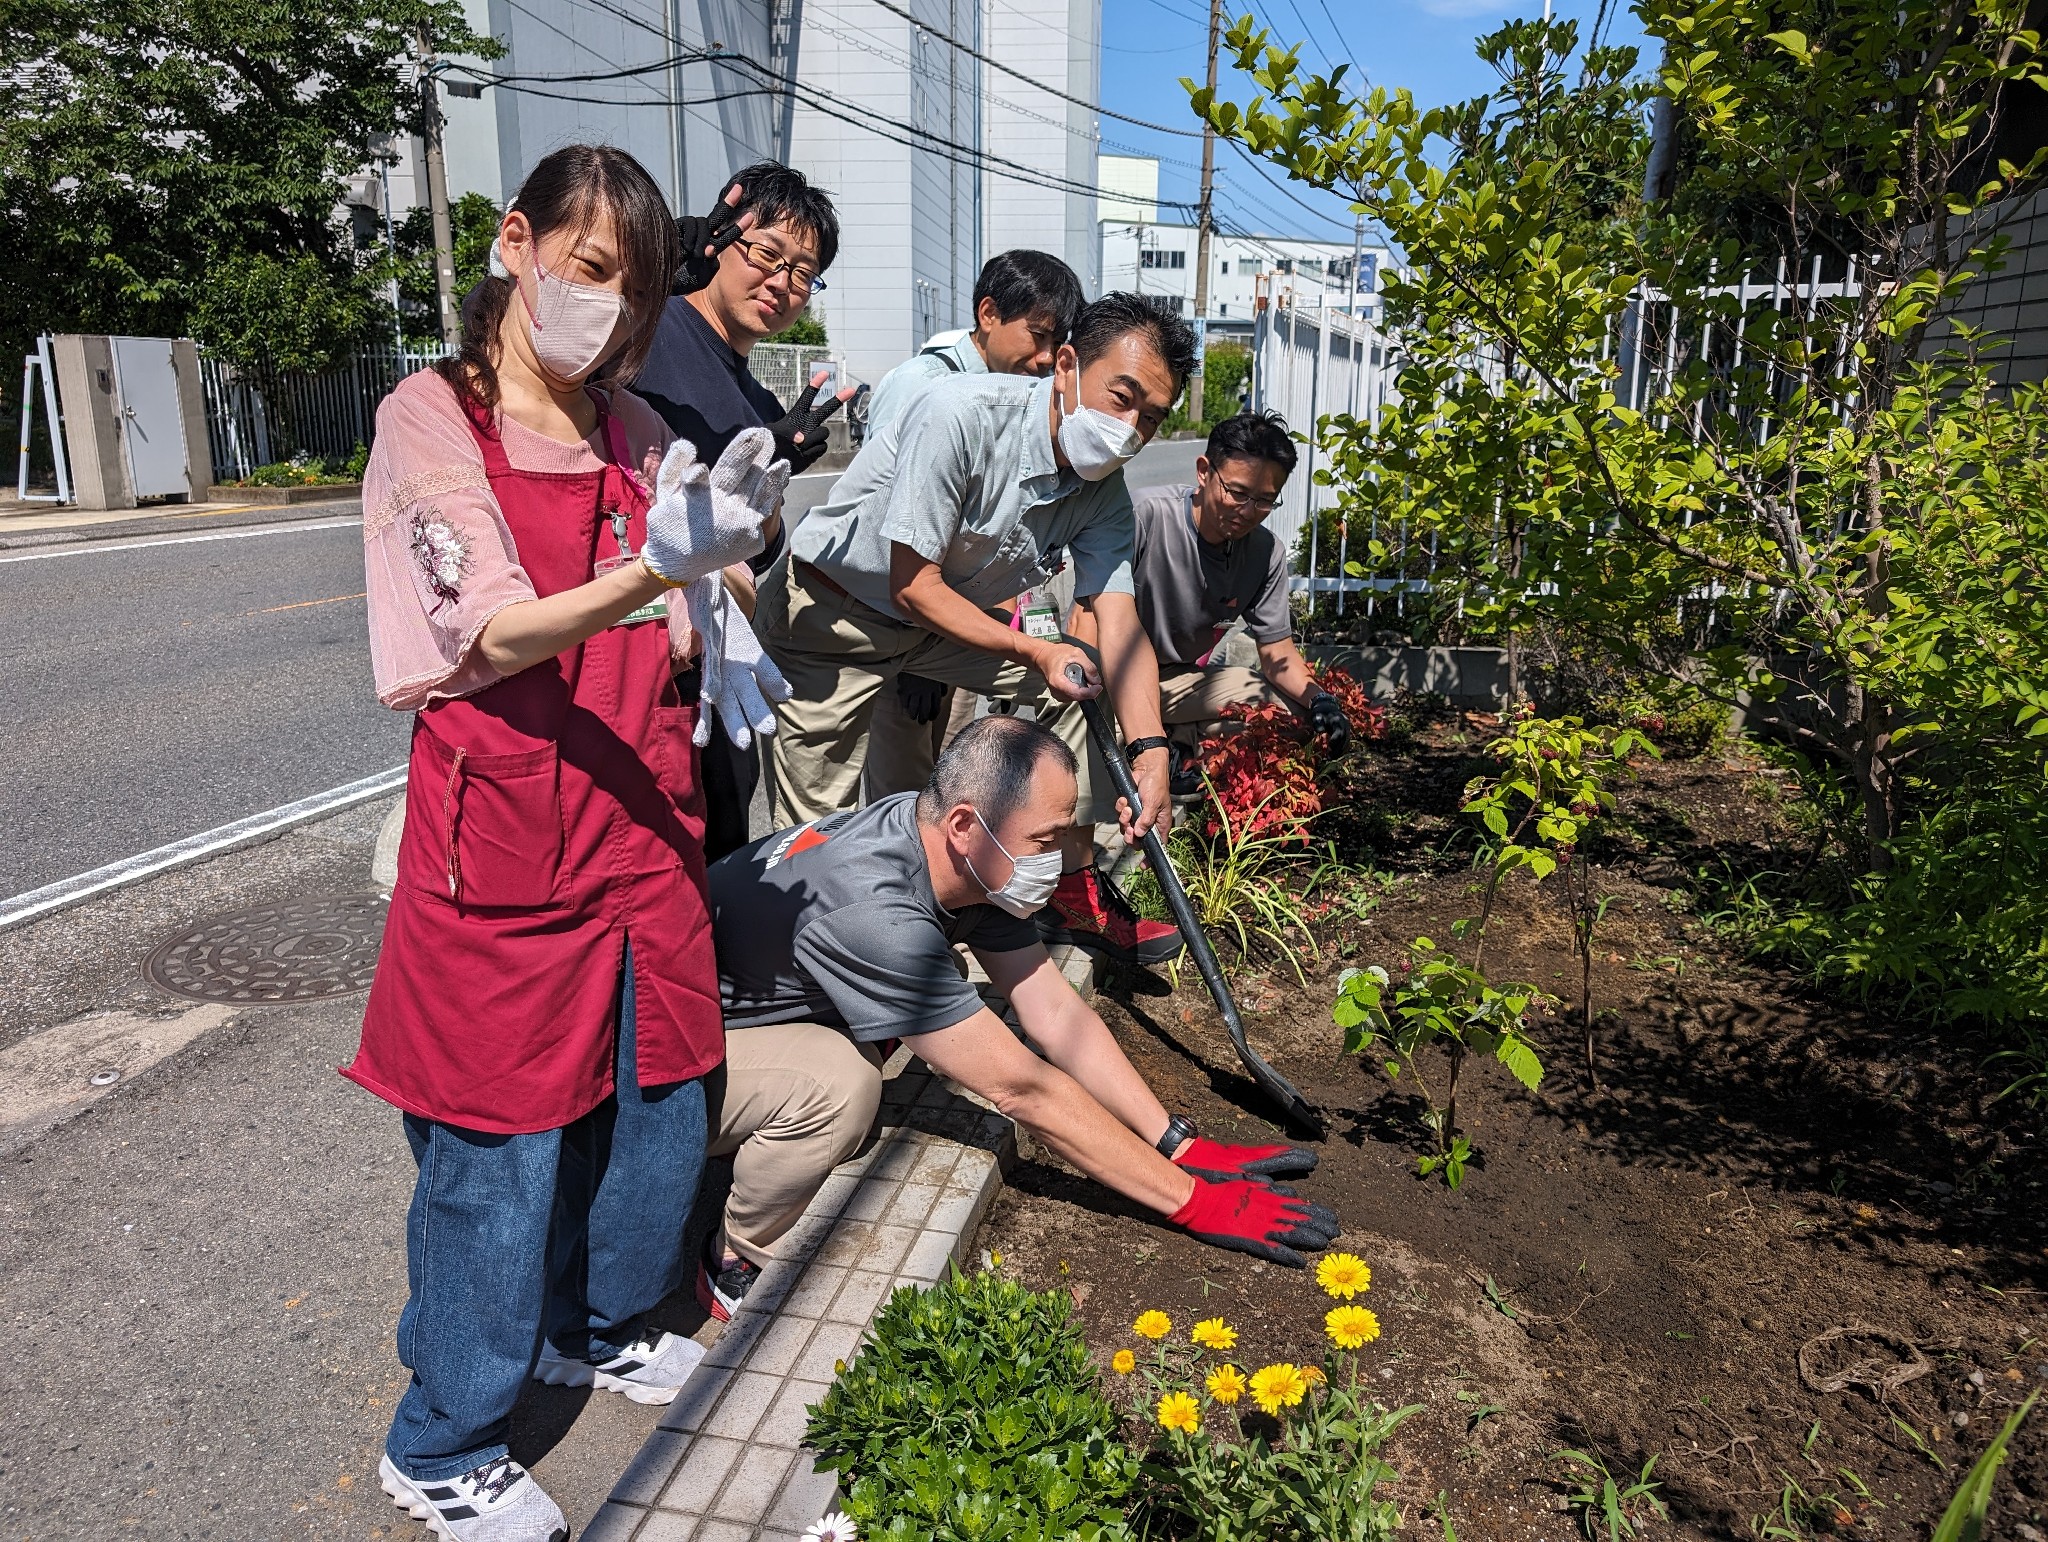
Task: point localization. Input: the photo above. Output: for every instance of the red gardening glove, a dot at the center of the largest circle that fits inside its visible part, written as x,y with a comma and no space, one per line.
1261,1219
1217,1162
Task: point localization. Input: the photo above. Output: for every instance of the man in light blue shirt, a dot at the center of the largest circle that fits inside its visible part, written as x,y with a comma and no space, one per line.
982,489
1025,303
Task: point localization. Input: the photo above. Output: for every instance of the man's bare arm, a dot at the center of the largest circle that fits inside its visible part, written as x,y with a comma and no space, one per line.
982,1054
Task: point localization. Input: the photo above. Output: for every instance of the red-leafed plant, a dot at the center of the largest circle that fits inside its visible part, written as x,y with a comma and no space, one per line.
1262,765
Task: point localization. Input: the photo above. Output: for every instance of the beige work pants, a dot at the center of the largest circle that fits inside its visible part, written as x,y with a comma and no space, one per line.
791,1102
839,656
1192,699
901,753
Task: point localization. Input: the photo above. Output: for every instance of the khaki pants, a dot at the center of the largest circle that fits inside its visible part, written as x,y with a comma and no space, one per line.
839,656
901,753
1192,699
791,1102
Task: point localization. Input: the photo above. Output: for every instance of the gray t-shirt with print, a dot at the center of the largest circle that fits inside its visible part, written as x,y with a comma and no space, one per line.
1189,592
835,922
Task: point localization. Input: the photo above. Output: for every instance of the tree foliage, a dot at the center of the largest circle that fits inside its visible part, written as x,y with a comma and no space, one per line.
1774,474
178,167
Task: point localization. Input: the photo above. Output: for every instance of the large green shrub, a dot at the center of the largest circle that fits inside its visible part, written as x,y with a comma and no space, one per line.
974,1414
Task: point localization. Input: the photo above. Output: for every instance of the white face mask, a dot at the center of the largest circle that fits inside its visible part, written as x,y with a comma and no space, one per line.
1095,443
571,324
1031,882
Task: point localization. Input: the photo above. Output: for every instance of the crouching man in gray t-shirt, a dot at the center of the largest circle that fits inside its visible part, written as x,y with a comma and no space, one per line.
1205,560
838,935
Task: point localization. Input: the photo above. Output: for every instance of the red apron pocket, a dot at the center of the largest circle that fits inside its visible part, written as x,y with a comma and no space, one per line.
677,768
483,831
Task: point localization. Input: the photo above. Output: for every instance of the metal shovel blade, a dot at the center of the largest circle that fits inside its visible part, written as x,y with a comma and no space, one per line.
1291,1102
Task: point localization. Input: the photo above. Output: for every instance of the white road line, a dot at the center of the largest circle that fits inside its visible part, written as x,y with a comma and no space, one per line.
94,548
67,892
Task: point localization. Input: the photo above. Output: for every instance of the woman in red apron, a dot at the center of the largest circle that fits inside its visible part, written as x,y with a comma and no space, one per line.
547,999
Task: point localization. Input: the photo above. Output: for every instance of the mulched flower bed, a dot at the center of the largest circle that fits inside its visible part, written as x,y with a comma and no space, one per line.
1793,1250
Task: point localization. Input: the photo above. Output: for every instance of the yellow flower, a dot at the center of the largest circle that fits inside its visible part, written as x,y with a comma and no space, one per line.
1313,1374
1350,1327
1214,1333
1152,1325
1343,1275
1123,1362
1178,1411
1278,1386
1225,1384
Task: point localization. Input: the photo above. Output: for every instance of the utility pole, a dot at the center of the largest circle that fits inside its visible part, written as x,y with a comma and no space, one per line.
437,195
1198,403
384,160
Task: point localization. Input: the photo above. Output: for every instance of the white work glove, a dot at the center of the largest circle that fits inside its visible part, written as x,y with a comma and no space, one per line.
738,678
704,519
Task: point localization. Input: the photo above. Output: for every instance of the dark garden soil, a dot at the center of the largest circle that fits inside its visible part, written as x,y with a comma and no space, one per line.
1764,1168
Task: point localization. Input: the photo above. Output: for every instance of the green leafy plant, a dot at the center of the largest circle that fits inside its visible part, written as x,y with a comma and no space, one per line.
1447,1006
1233,880
1963,1520
1550,789
1605,1506
975,1414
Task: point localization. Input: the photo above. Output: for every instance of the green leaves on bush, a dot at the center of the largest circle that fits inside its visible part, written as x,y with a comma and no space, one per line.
974,1414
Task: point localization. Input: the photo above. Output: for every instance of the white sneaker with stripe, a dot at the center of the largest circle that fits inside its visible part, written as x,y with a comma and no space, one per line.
497,1502
651,1369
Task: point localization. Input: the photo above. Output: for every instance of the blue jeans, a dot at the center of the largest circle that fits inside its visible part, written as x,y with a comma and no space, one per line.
571,1234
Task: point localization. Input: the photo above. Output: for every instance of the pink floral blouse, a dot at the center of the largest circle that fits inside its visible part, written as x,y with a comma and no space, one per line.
438,559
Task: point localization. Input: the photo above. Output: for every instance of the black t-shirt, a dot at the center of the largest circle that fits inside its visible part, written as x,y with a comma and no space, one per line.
704,392
701,387
835,922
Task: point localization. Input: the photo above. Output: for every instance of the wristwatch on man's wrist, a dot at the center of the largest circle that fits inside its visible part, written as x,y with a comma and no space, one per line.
1136,747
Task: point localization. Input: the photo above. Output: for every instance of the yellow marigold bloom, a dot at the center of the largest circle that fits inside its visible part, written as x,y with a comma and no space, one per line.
1225,1384
1152,1325
1214,1333
1123,1362
1343,1275
1179,1411
1278,1386
1351,1327
1314,1375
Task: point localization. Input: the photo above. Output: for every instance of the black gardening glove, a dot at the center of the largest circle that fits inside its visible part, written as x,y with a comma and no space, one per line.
704,237
1262,1219
1327,718
921,698
800,436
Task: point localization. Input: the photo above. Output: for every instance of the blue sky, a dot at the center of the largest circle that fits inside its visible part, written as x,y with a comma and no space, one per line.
1424,45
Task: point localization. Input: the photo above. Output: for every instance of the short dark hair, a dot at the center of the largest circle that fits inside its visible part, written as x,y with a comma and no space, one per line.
1033,284
1252,436
990,764
1103,321
776,194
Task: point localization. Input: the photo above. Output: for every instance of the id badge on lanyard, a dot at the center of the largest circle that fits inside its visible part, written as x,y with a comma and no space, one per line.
655,609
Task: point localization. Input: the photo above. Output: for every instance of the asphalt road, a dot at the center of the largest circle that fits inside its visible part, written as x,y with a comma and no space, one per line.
159,690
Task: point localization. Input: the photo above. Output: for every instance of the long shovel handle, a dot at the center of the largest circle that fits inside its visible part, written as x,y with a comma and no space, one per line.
1291,1102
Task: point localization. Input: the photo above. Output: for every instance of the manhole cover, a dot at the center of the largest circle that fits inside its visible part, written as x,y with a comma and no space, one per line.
305,950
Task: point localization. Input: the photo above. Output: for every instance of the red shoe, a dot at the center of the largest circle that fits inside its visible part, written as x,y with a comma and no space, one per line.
1090,912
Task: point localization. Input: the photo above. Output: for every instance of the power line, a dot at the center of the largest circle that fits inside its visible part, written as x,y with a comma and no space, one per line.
1277,187
975,53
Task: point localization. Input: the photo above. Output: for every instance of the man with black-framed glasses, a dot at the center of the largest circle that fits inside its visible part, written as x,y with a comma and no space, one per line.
749,269
1205,561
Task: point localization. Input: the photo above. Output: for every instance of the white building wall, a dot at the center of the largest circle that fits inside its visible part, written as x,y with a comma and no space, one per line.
1057,43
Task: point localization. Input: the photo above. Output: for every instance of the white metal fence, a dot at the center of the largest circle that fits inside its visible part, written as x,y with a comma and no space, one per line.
257,417
1312,361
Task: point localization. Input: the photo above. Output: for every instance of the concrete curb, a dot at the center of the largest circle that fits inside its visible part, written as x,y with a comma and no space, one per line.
727,1463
